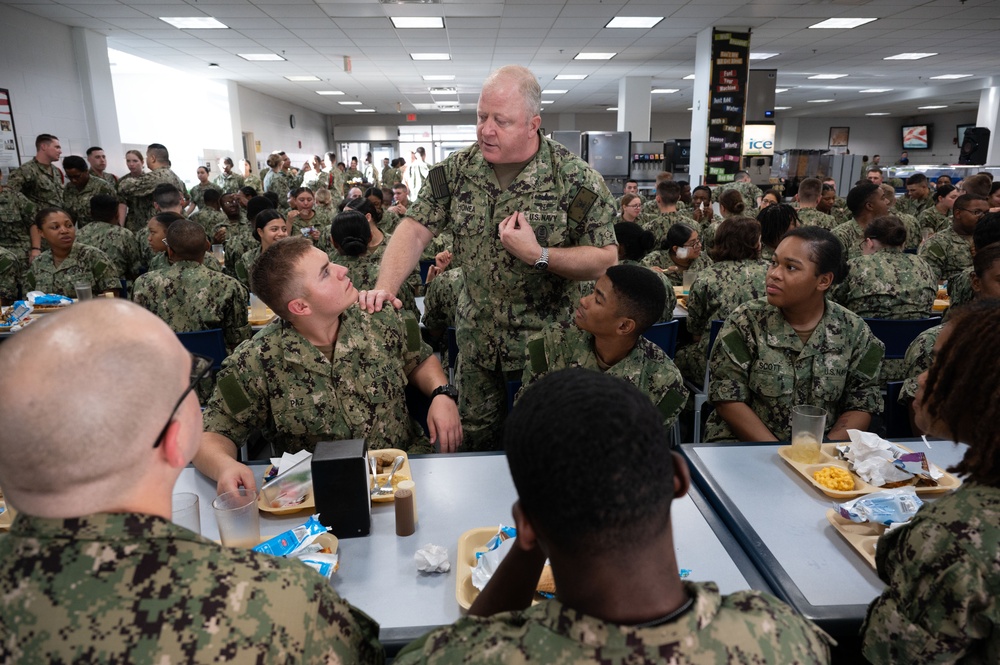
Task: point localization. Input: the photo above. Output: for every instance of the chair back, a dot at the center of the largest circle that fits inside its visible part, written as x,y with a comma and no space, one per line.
425,266
664,335
898,335
512,388
209,343
897,417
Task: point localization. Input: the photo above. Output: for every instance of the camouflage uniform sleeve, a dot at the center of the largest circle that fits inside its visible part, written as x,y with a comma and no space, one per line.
596,226
671,301
730,360
142,185
103,269
917,360
697,305
862,391
666,388
430,211
9,274
342,633
239,403
535,359
235,325
415,349
934,254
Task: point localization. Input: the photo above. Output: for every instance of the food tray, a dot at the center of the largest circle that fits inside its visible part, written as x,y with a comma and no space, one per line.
861,536
268,317
940,305
403,473
470,542
828,457
44,309
308,504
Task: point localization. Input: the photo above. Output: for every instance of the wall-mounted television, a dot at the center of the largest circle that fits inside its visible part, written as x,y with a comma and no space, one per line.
917,137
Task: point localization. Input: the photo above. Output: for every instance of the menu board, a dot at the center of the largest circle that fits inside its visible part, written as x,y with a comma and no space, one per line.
727,104
9,155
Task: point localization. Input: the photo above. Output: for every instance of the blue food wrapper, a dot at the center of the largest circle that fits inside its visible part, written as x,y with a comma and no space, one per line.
285,543
50,299
503,533
16,314
885,507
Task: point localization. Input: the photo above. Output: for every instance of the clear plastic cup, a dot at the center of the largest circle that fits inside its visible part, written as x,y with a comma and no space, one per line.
186,511
808,428
239,521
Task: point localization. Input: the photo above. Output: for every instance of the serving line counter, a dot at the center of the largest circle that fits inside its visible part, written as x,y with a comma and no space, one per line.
456,493
780,520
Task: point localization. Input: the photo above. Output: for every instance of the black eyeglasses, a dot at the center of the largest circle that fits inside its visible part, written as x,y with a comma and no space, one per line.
977,213
200,367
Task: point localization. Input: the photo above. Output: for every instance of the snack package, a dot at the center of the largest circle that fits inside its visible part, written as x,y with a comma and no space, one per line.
488,561
323,563
16,315
39,298
291,483
293,540
885,507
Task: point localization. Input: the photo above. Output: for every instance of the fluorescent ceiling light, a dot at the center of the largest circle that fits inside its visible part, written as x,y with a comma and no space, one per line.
194,22
549,91
828,77
633,21
810,101
876,90
302,78
878,113
571,77
261,57
439,77
329,92
690,108
364,110
777,90
689,77
430,56
909,56
449,109
594,56
841,23
443,91
612,108
665,91
928,108
417,21
782,108
350,103
548,101
951,77
762,56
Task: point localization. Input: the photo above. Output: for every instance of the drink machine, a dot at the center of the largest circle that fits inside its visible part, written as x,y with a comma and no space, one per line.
648,160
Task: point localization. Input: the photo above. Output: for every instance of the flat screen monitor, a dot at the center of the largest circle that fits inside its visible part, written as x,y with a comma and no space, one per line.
916,137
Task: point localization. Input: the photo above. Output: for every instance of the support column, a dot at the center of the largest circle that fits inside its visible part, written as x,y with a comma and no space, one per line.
700,105
91,52
989,114
634,103
236,124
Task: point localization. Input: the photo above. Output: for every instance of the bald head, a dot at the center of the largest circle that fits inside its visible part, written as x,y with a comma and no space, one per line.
523,80
84,396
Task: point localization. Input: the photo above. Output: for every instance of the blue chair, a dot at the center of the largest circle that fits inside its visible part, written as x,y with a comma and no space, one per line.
664,335
425,265
417,404
897,417
452,353
209,343
700,393
898,335
512,388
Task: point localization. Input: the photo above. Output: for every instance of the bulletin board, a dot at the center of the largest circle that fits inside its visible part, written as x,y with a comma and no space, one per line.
10,155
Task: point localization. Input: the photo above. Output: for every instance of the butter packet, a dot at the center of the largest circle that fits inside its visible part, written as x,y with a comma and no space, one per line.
290,541
884,507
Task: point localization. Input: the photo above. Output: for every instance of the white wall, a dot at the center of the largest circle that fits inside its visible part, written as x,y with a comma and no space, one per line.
267,118
38,67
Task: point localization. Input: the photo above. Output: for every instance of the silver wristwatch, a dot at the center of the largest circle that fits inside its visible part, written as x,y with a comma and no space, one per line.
542,264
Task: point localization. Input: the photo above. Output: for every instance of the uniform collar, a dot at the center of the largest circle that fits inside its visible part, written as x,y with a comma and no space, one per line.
99,526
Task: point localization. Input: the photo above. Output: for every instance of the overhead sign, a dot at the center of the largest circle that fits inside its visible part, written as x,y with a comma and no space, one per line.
727,104
758,140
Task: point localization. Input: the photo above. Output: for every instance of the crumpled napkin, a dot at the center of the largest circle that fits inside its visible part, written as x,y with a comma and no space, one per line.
872,458
432,559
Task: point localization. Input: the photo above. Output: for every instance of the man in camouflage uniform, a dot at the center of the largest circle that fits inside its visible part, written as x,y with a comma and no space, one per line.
758,359
238,233
606,336
324,371
960,285
116,241
385,177
41,182
440,308
189,296
80,189
918,196
866,202
650,206
98,163
750,192
140,188
228,181
917,360
595,484
658,223
93,569
950,251
810,192
10,276
17,215
529,219
913,232
210,215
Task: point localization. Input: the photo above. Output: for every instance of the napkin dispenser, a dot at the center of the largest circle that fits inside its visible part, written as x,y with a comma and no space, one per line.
341,487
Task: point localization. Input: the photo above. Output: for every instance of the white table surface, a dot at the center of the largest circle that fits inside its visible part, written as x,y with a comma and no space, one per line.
780,519
456,493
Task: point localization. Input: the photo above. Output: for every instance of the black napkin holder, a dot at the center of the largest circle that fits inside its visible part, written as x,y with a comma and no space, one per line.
341,487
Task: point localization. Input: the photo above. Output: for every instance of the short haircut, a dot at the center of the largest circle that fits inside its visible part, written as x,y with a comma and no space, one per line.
103,207
737,239
873,169
212,195
228,161
573,442
186,239
810,190
740,175
888,230
43,139
702,188
630,180
641,294
401,186
167,219
917,179
273,276
91,150
420,151
677,235
977,184
527,85
166,195
664,175
825,251
668,191
248,191
634,241
351,233
272,197
44,214
75,162
985,258
942,191
263,218
965,199
732,201
829,188
859,195
950,396
158,151
987,230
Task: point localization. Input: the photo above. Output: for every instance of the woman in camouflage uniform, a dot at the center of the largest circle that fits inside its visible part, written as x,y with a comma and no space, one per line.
58,269
269,227
679,252
775,221
938,216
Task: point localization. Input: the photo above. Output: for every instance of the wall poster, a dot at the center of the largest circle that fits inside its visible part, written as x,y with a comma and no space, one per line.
10,155
727,106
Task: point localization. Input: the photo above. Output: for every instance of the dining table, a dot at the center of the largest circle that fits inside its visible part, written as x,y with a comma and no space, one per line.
456,493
